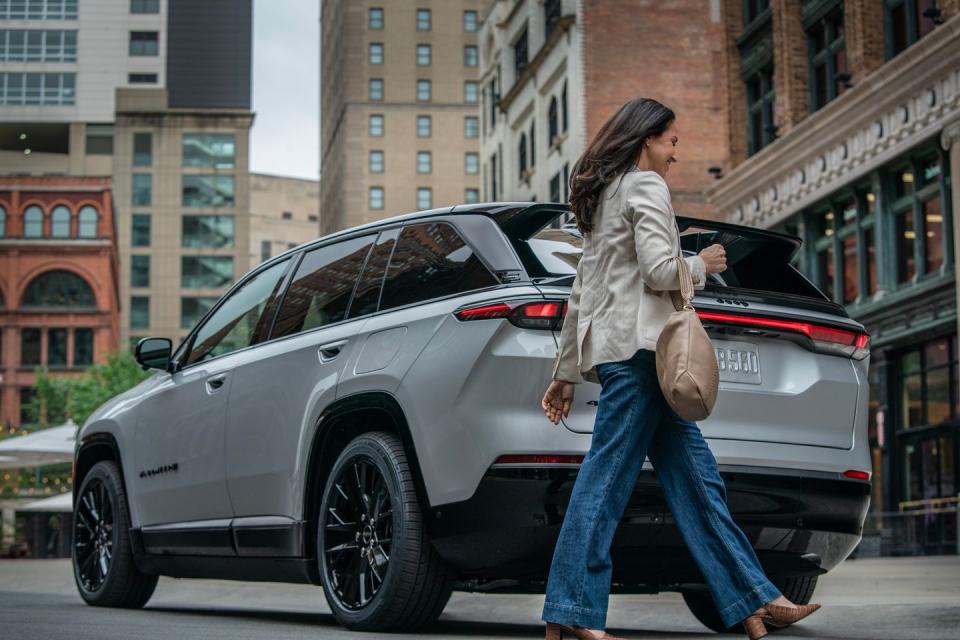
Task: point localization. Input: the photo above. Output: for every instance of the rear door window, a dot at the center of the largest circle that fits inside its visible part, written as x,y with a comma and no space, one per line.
431,260
367,296
320,291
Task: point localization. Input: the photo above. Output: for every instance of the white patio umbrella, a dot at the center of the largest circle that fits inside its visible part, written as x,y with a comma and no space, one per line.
60,503
48,446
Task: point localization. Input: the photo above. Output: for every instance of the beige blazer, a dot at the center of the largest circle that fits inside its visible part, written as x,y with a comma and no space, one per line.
621,294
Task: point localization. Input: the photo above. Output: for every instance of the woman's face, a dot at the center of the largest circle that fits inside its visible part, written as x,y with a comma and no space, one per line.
659,152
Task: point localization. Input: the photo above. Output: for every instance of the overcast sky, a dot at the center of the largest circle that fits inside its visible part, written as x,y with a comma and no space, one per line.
285,136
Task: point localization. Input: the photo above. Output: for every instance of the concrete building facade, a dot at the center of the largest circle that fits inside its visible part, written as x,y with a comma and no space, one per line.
553,72
283,214
399,101
59,289
844,124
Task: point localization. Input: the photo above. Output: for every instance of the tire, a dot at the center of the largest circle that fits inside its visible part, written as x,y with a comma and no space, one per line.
796,589
384,575
102,557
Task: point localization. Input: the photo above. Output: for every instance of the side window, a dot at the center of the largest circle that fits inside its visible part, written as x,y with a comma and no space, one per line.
235,323
368,289
320,290
431,261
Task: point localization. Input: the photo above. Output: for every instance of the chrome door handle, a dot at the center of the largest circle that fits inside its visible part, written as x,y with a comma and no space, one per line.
331,350
215,383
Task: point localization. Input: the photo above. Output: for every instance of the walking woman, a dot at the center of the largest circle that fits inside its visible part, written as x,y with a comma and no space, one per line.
619,303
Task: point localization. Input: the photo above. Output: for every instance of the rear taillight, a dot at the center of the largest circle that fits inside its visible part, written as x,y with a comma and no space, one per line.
856,474
542,314
822,338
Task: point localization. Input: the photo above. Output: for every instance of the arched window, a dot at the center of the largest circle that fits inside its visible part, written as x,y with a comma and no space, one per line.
3,222
87,222
552,125
58,289
60,222
563,105
522,154
33,222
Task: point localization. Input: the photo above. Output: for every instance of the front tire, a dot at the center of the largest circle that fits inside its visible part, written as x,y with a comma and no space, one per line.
103,565
378,569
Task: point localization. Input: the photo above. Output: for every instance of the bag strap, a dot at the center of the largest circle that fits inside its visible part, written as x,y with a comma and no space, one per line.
686,285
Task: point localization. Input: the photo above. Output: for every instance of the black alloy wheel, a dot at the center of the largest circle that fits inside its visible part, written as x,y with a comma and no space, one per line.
378,569
93,535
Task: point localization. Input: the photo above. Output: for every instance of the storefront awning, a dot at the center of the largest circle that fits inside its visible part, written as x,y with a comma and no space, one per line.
62,503
48,446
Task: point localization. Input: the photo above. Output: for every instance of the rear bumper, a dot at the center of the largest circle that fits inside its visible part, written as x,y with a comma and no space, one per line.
800,524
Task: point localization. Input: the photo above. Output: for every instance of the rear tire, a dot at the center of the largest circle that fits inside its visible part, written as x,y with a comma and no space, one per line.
379,571
796,589
103,565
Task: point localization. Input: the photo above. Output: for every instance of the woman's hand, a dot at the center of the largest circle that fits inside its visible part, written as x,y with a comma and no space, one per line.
714,258
557,400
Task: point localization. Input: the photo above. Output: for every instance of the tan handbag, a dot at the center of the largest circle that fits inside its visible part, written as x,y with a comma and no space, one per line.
686,361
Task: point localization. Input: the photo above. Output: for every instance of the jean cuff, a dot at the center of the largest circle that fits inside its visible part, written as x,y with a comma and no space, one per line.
573,615
753,600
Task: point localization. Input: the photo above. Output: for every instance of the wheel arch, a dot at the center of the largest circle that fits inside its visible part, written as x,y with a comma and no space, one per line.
94,448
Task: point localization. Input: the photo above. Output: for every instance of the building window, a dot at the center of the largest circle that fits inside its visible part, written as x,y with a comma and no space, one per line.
553,123
193,309
760,99
142,190
33,222
142,78
470,21
566,182
82,347
139,271
555,188
375,162
470,92
58,290
424,198
471,127
35,45
926,393
471,163
56,348
60,222
471,196
423,55
375,53
38,10
375,90
98,139
208,232
87,221
144,6
917,206
207,191
206,272
144,43
563,107
209,150
376,198
522,156
375,19
375,125
520,58
423,90
29,347
494,177
3,225
142,149
753,9
470,56
494,99
44,89
904,24
287,215
140,230
827,57
139,312
551,16
533,145
265,248
423,20
424,162
424,126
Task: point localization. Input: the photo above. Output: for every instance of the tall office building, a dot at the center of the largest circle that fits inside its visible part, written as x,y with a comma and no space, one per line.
155,96
399,96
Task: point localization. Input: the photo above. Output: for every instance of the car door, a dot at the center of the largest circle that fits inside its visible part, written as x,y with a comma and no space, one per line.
179,435
279,392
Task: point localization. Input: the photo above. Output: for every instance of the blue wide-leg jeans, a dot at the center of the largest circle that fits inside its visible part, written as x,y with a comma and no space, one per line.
634,421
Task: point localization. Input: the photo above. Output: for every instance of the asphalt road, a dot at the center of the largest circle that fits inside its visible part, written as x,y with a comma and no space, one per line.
869,599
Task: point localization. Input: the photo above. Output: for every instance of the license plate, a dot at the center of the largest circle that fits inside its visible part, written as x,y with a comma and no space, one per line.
737,361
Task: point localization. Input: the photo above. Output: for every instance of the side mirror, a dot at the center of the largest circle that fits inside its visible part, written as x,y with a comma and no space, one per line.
154,353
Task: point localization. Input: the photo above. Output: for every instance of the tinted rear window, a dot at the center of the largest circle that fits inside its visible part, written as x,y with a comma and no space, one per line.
431,261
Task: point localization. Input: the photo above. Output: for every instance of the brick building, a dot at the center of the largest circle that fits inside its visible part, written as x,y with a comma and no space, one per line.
553,71
59,294
844,128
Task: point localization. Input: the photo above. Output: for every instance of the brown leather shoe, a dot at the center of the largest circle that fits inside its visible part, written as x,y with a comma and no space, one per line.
773,615
555,632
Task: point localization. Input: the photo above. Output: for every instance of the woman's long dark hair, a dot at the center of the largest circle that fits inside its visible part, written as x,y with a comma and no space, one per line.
613,151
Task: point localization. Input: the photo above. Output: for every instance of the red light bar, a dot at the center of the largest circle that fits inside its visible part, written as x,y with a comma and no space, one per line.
498,310
856,475
814,331
539,459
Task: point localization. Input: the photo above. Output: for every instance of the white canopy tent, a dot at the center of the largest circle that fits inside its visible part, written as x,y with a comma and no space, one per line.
48,446
60,503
